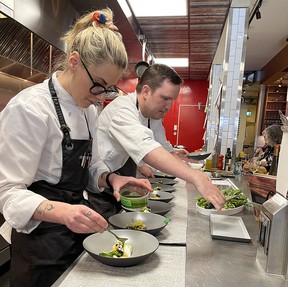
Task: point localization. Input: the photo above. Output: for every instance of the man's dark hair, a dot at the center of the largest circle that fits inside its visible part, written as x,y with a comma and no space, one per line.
156,74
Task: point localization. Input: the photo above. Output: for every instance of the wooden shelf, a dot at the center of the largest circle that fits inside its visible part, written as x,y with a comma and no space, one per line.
276,100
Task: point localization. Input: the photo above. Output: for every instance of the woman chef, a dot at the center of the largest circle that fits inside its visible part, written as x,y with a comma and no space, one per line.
48,154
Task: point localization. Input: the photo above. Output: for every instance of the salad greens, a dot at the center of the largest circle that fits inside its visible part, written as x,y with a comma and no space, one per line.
239,200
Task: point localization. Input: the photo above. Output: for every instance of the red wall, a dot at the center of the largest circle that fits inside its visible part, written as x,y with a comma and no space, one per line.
190,123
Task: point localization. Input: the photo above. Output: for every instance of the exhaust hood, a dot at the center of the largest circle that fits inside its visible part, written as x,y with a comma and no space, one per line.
24,54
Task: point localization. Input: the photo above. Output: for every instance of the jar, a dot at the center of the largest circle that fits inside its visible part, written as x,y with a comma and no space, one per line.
208,163
237,167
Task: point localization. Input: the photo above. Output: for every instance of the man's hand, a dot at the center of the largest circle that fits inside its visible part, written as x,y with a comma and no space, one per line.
208,190
146,170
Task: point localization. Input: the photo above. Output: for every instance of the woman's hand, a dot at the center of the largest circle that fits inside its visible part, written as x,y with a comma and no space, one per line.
82,219
78,218
118,182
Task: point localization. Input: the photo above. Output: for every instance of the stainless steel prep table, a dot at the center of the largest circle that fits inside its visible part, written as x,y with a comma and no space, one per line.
216,263
219,263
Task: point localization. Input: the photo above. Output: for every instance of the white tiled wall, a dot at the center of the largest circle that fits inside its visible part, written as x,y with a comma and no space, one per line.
231,74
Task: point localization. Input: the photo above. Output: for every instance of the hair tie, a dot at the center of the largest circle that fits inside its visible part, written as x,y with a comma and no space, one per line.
99,18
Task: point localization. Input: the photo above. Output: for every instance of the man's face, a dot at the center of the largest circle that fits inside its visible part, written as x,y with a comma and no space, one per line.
159,102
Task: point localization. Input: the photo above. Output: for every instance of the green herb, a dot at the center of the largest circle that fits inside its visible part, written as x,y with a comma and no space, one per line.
239,200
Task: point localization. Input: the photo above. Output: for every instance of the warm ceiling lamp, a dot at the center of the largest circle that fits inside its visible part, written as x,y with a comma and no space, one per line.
173,62
152,8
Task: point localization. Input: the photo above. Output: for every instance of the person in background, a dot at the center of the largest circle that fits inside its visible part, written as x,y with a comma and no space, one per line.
272,135
131,134
48,154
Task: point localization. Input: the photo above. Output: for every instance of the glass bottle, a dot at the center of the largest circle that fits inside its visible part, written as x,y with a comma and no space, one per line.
220,162
227,162
274,165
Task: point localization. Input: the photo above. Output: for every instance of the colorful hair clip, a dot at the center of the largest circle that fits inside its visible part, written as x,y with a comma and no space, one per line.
99,18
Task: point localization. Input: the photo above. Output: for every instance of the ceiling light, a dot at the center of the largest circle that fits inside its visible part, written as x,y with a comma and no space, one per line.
173,62
152,8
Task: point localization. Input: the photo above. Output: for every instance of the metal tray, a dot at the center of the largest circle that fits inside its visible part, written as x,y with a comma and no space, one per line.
231,228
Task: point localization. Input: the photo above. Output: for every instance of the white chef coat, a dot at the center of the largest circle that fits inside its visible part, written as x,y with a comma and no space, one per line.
30,148
122,131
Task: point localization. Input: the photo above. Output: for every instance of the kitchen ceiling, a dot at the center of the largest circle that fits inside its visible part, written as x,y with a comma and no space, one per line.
197,36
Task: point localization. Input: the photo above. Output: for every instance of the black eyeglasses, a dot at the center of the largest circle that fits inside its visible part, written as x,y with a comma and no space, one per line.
97,88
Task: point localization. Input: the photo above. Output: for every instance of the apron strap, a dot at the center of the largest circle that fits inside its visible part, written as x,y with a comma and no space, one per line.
63,126
137,106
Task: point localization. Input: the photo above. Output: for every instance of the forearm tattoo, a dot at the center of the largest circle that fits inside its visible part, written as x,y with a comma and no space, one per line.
41,210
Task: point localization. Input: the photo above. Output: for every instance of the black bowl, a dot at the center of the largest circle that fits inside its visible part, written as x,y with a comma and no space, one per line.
158,207
158,195
160,174
154,222
167,181
143,245
162,187
198,155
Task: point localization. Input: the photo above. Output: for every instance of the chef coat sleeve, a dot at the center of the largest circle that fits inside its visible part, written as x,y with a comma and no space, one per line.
136,139
160,135
96,169
22,137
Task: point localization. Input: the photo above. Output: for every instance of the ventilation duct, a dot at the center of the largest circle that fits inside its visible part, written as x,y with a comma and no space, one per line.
24,54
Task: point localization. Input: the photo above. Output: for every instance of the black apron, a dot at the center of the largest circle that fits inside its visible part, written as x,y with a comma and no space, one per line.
105,202
40,257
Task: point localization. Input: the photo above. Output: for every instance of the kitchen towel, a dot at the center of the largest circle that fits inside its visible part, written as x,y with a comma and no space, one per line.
175,231
166,267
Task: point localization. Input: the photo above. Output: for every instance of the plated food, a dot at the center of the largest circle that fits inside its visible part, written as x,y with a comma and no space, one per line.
147,222
161,196
231,206
143,245
119,249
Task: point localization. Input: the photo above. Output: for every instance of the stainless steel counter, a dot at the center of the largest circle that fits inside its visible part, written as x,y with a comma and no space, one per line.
209,262
219,263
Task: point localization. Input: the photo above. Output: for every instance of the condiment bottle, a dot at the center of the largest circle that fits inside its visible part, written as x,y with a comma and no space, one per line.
220,161
274,165
227,164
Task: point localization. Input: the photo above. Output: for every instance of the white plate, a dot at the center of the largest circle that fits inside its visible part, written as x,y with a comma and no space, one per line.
221,184
231,211
230,228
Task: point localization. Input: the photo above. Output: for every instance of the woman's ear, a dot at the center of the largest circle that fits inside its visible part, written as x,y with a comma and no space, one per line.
74,60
